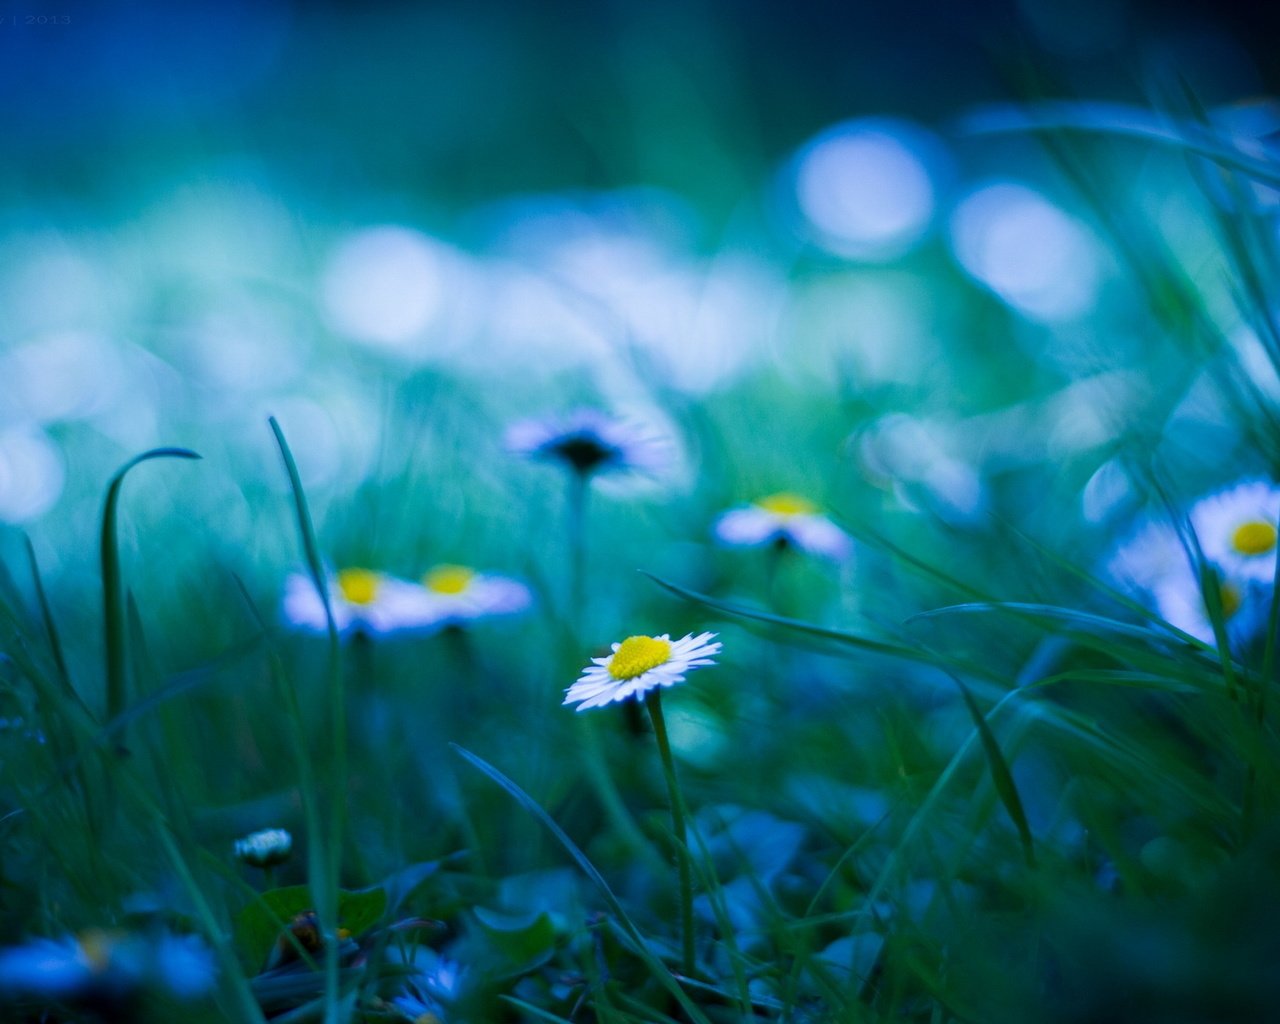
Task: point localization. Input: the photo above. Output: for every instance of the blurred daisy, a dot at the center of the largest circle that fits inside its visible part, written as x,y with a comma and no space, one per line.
264,849
110,965
453,595
1236,529
1181,603
1153,563
430,991
784,519
588,441
360,599
639,664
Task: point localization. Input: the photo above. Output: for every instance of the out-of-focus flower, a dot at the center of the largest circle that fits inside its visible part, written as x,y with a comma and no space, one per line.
1181,603
639,664
1236,529
588,441
264,849
359,598
431,991
1153,562
105,965
456,594
785,519
866,187
1034,256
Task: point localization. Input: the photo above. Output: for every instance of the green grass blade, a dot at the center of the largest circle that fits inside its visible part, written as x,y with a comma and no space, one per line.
51,630
1087,621
112,592
1118,120
1000,774
325,888
822,632
659,969
306,529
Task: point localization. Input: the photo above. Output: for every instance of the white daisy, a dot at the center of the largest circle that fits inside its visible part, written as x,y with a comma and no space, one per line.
1181,603
1236,529
784,519
360,599
431,990
637,665
589,441
264,849
456,594
98,964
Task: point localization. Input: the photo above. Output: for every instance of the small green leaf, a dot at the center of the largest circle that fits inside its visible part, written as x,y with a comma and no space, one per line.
523,939
260,923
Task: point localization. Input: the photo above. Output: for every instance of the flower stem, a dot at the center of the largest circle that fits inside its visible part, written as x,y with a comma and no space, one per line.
577,507
653,701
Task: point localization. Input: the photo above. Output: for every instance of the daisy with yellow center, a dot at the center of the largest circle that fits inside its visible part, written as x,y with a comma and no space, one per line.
1181,603
1153,564
1236,529
639,664
785,519
643,666
454,595
360,599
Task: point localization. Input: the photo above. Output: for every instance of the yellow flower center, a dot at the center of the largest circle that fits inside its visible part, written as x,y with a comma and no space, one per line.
95,948
787,504
448,579
637,654
1255,538
1230,598
358,586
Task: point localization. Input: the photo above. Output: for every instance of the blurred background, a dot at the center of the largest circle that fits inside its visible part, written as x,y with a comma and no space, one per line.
345,215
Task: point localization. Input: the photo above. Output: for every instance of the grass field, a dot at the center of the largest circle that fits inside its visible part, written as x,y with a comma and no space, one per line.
962,442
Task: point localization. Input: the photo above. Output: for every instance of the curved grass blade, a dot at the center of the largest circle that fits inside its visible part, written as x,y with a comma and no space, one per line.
306,529
839,636
1087,621
659,969
1119,120
112,592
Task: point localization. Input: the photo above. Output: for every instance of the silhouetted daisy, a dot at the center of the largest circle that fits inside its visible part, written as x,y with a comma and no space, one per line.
588,441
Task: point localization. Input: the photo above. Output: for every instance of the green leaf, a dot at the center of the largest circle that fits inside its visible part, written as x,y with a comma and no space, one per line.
260,923
524,939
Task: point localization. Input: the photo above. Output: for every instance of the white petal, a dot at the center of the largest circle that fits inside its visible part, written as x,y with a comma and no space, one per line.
747,527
